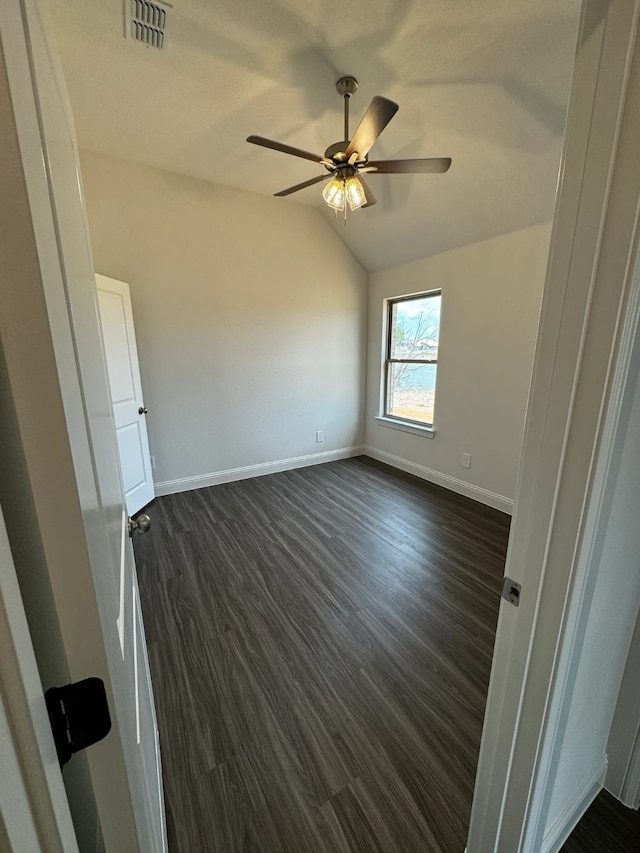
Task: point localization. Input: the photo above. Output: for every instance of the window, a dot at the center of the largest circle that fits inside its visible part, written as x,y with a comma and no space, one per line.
411,359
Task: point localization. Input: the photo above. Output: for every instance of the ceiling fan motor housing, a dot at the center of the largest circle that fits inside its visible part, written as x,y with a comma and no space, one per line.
336,148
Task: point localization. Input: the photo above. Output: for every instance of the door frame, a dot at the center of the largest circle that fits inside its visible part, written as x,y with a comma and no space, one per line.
588,320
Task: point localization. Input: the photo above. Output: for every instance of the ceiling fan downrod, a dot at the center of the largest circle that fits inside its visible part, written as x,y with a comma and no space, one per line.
345,87
347,98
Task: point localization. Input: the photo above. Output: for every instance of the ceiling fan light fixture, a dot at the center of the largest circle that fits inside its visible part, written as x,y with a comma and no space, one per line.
349,157
340,191
334,193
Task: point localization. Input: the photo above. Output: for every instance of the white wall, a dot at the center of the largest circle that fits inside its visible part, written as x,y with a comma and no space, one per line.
612,614
491,293
623,746
250,317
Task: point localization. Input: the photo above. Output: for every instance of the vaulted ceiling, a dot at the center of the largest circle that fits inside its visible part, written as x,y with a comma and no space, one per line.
484,83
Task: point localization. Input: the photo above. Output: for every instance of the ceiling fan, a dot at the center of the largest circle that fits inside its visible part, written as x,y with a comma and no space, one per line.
346,161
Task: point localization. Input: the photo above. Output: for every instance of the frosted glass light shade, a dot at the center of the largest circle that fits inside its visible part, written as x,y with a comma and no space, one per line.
355,193
334,194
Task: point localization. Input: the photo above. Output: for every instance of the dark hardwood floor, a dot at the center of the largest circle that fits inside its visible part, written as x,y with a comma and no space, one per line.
320,645
607,827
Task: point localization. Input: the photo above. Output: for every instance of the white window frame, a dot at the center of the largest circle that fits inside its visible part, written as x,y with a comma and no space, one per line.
385,417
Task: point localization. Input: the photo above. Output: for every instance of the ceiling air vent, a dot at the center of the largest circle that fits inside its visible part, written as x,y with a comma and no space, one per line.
146,22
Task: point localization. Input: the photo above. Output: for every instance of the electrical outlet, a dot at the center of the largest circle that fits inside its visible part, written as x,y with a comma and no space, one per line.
153,463
466,460
320,435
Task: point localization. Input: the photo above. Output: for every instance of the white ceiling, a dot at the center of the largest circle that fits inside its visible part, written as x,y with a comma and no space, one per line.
484,83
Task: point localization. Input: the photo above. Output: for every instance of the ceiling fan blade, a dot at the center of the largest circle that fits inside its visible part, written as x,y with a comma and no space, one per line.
411,167
371,199
303,185
377,117
286,149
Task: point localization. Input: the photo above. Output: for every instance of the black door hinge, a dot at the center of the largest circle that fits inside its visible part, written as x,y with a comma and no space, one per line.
79,716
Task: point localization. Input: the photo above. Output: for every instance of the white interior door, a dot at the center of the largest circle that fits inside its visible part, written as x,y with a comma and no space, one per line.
79,511
129,412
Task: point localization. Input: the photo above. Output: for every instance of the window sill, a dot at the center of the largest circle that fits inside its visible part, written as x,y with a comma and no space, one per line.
405,426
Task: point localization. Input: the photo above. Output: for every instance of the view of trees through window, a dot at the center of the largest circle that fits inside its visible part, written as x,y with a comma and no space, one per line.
412,356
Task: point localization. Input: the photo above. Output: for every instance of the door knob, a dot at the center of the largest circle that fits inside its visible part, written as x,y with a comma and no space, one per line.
142,410
139,525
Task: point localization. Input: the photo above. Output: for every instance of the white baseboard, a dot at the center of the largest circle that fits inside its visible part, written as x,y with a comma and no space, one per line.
200,481
467,489
567,820
215,478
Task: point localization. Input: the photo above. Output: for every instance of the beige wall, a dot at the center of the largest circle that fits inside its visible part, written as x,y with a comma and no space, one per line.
612,604
491,293
250,317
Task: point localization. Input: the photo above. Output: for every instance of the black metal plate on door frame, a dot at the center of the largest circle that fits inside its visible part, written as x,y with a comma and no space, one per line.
511,591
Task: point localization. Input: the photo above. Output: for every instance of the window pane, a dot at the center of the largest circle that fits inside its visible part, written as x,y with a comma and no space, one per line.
411,391
415,327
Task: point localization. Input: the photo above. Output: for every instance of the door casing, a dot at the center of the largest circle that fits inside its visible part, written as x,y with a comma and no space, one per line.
587,314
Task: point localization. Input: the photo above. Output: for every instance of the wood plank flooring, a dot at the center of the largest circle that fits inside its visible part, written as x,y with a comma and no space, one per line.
320,645
607,827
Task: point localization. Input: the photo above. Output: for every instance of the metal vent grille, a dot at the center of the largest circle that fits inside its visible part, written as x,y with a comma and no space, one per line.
146,22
